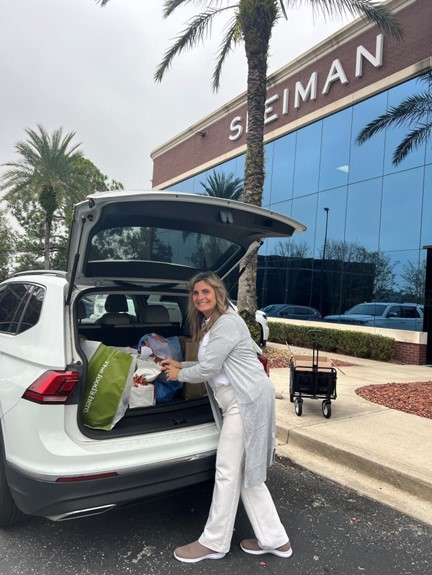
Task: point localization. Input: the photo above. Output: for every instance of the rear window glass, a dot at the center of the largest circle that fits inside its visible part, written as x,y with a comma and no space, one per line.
20,307
189,249
375,309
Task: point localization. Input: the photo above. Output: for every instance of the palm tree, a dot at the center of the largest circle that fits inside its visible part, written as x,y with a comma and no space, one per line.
252,24
7,246
414,112
44,174
221,185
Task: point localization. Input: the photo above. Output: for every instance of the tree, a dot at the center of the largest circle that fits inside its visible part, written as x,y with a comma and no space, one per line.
7,241
221,185
31,218
43,176
384,276
414,112
414,281
252,24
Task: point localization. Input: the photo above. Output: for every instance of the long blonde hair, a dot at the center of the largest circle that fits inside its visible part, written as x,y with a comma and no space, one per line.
196,318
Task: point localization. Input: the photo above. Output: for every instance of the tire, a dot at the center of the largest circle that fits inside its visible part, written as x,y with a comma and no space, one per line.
326,409
298,406
9,512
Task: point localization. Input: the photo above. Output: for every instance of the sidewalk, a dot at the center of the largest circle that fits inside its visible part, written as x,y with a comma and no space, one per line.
380,452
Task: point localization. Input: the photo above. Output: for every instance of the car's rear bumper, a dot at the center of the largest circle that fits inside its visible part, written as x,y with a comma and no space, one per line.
64,500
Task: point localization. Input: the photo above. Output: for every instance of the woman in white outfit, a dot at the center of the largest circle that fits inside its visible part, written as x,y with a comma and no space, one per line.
239,387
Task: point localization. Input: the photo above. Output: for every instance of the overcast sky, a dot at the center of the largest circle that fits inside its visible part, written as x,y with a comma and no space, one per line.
89,70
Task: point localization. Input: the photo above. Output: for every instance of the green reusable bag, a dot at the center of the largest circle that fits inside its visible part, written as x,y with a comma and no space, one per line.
109,380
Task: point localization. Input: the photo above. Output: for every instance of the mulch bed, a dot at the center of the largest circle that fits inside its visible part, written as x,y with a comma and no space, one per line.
413,398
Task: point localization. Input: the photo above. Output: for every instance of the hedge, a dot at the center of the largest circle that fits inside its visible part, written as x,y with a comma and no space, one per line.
354,343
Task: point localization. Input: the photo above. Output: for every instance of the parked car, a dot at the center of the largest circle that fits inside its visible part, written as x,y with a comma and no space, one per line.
139,250
383,314
289,311
261,318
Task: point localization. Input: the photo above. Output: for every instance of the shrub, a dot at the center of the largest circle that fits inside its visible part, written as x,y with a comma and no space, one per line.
354,343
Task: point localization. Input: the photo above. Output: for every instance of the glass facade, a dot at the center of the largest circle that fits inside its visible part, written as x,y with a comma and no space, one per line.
367,220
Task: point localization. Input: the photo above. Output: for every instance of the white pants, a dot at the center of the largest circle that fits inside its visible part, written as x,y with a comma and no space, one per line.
229,487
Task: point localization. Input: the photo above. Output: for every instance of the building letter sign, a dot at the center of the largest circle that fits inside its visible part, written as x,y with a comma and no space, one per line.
280,103
336,73
236,127
376,60
304,93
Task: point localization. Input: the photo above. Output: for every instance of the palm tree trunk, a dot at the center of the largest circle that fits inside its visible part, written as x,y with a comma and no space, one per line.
47,240
256,46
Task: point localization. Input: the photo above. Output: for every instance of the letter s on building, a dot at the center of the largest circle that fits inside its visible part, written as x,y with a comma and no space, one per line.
236,127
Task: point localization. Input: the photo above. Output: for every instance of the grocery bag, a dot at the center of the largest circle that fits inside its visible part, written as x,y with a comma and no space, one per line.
163,348
109,380
142,393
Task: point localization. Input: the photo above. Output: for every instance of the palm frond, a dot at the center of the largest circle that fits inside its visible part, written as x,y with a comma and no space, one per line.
413,140
231,38
411,111
189,37
283,9
371,10
171,5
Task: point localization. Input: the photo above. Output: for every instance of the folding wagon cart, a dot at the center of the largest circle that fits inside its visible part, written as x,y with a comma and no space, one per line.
312,377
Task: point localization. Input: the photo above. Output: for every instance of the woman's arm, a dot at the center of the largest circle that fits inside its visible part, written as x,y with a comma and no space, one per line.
223,337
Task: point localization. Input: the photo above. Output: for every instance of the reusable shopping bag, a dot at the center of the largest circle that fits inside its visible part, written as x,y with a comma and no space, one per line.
109,381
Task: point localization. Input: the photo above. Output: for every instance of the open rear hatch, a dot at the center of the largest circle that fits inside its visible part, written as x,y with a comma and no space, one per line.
164,237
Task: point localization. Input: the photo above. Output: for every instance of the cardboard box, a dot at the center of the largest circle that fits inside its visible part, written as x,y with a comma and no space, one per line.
191,390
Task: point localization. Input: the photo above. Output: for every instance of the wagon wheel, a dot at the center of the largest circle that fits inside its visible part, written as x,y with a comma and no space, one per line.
298,406
326,408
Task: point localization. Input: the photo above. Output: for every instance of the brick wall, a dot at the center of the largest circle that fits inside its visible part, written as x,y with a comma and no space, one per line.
409,353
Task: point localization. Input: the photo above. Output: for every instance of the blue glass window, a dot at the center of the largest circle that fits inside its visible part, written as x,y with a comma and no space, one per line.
335,147
426,236
304,210
283,168
395,135
401,210
363,214
366,161
335,201
307,160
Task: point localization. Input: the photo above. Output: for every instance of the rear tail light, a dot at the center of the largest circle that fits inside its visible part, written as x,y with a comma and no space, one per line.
52,387
263,359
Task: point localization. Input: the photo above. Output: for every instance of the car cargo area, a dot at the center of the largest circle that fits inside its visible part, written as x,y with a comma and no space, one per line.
119,320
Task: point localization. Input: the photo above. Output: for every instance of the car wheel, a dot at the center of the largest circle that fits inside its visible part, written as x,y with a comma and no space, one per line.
9,512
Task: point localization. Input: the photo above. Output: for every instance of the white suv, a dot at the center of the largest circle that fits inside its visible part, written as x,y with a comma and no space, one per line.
143,247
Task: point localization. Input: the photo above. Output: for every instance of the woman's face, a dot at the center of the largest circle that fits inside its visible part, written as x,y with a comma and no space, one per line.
204,298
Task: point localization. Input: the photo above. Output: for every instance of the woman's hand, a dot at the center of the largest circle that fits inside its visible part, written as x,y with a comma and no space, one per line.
171,368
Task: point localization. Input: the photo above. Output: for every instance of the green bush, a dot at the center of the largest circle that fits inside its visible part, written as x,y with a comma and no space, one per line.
354,343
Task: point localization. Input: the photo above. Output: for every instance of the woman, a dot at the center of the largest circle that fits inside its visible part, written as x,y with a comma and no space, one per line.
238,385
